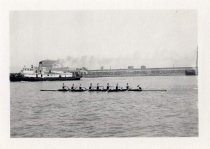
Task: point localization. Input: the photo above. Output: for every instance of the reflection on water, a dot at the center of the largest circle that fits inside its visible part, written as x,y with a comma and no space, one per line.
91,114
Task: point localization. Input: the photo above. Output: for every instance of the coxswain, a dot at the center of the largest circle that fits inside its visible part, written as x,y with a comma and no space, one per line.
127,86
90,87
107,87
72,87
117,86
139,87
97,87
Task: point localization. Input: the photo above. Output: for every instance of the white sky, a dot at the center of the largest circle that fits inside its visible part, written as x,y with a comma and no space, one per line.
155,38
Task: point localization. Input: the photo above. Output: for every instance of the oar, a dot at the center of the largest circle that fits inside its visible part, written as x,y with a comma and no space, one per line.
50,90
108,90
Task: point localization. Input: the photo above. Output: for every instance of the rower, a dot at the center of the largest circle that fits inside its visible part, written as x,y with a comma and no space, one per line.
80,87
72,87
90,87
127,86
107,87
117,86
97,87
139,87
63,87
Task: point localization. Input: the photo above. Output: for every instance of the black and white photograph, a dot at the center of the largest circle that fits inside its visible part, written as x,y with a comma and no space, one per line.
103,73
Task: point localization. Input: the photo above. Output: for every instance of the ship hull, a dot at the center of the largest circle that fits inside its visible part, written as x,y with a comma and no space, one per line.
18,77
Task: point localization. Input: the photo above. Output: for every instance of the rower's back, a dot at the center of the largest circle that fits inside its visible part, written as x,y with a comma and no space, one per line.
107,87
117,87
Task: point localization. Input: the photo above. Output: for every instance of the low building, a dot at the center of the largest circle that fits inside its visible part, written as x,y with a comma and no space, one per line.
143,67
130,67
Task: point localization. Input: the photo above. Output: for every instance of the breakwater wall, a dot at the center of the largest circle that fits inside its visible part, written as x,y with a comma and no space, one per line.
170,71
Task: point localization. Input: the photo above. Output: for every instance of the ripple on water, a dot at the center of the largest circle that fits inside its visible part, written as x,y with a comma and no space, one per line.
144,114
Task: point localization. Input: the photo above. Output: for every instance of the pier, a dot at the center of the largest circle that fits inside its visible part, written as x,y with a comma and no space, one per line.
168,71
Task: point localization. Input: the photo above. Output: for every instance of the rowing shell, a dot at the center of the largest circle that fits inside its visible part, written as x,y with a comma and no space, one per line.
104,90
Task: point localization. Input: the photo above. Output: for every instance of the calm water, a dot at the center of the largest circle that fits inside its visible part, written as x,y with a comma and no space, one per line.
127,114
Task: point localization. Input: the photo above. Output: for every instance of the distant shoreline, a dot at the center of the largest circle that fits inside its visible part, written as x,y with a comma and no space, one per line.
168,71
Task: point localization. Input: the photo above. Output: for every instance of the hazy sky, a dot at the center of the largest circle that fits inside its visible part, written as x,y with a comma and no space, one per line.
155,38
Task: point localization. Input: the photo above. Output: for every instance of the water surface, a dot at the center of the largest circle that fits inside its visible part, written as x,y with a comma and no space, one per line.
90,114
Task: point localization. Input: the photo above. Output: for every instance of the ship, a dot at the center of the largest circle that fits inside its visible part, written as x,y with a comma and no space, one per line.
48,70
